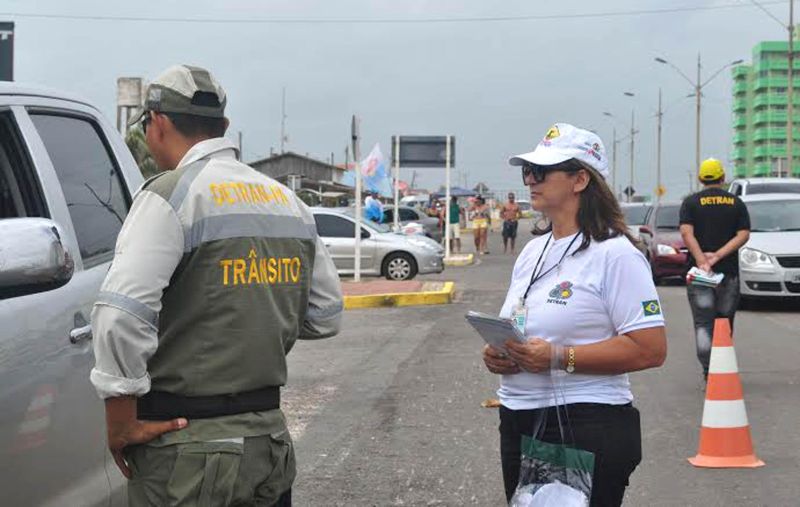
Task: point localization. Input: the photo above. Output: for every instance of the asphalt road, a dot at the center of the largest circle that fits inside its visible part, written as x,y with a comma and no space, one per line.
388,412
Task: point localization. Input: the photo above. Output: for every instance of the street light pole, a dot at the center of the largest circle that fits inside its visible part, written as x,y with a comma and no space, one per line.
659,188
698,94
633,136
614,162
698,86
615,143
790,97
633,145
354,129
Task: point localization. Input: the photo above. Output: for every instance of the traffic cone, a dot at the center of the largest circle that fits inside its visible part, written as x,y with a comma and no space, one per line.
725,433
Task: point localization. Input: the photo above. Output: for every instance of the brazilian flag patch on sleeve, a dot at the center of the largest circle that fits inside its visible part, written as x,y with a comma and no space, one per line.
651,308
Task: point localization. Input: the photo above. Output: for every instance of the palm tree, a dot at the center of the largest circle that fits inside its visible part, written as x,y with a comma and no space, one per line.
141,153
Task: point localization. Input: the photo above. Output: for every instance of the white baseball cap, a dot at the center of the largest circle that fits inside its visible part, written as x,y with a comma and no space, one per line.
563,142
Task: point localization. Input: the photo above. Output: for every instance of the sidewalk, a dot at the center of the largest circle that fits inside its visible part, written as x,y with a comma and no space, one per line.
387,293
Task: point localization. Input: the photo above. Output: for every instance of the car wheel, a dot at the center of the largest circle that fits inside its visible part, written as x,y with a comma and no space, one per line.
399,266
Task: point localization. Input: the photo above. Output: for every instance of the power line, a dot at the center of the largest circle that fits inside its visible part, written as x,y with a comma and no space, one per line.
768,13
340,21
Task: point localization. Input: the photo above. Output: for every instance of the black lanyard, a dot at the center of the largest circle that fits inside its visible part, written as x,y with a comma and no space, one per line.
534,277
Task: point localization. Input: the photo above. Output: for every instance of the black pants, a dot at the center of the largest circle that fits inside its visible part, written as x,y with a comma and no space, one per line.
611,432
708,304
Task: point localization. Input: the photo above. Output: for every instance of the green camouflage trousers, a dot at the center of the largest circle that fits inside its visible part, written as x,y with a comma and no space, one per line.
249,471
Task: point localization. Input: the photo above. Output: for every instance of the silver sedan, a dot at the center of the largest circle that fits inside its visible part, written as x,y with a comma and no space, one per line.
383,253
769,264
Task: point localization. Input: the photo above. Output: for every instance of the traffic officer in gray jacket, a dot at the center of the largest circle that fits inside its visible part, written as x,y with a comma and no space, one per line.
218,270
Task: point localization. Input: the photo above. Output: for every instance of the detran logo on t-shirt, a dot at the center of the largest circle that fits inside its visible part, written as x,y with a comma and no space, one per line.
559,293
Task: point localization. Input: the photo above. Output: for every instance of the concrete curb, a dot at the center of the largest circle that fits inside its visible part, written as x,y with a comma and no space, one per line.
466,260
442,296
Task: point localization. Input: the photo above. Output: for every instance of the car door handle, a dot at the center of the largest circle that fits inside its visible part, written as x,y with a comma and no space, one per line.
80,334
327,245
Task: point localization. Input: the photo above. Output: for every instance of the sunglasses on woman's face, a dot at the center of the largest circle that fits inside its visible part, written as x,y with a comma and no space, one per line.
538,172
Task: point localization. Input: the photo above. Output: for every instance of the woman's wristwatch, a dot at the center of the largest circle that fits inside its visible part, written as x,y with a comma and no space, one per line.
570,367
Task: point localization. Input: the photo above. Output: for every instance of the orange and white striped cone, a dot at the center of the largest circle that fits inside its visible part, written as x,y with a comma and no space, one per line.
725,440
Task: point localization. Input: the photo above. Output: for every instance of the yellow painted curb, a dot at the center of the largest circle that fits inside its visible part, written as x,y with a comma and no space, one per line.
436,297
466,261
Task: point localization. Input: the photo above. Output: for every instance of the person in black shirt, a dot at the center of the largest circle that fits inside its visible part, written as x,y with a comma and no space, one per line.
714,225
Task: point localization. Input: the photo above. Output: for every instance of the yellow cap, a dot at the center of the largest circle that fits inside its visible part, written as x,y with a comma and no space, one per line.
711,170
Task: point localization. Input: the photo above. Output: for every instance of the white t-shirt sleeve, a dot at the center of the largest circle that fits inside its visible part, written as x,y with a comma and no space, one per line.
630,295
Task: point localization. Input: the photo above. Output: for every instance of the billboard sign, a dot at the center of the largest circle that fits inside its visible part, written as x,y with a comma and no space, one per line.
423,151
6,51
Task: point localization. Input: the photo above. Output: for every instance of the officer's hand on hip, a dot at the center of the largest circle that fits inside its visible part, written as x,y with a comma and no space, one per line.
124,429
497,361
532,356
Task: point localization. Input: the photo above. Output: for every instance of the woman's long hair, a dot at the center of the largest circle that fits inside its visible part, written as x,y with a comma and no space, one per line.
599,214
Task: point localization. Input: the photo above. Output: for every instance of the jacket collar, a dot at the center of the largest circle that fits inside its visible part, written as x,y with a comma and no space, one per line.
218,147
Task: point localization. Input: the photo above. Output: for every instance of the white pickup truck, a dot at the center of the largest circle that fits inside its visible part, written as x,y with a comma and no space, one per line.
66,181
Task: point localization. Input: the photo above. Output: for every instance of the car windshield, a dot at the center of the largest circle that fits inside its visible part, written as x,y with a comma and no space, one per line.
773,188
774,216
635,215
667,218
524,205
369,224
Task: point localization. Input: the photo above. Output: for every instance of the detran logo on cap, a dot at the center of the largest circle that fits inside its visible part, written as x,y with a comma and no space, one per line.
551,134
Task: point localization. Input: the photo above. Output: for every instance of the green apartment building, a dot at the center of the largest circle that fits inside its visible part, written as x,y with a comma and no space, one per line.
759,112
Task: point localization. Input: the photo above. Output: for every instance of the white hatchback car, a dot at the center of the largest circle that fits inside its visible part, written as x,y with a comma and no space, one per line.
769,264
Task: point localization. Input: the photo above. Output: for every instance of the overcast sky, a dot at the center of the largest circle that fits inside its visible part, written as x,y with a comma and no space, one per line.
496,86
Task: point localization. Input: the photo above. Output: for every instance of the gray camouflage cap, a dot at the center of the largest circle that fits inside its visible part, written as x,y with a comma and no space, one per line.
174,91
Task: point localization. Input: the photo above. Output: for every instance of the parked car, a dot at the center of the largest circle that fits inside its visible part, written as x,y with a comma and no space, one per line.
419,201
66,179
409,214
769,264
665,250
383,253
753,186
636,215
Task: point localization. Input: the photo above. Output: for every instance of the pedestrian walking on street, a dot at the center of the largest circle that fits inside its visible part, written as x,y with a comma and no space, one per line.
715,224
455,224
217,271
481,221
585,299
510,215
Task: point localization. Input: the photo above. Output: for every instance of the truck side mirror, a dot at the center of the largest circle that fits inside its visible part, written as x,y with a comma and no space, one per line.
33,257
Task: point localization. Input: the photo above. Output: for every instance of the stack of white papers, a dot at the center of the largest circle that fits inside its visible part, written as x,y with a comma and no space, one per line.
697,276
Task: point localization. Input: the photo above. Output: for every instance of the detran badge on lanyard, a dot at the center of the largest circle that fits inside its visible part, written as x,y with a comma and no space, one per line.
519,314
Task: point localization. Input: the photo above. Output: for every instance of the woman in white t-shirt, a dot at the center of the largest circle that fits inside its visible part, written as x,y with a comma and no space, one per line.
585,298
